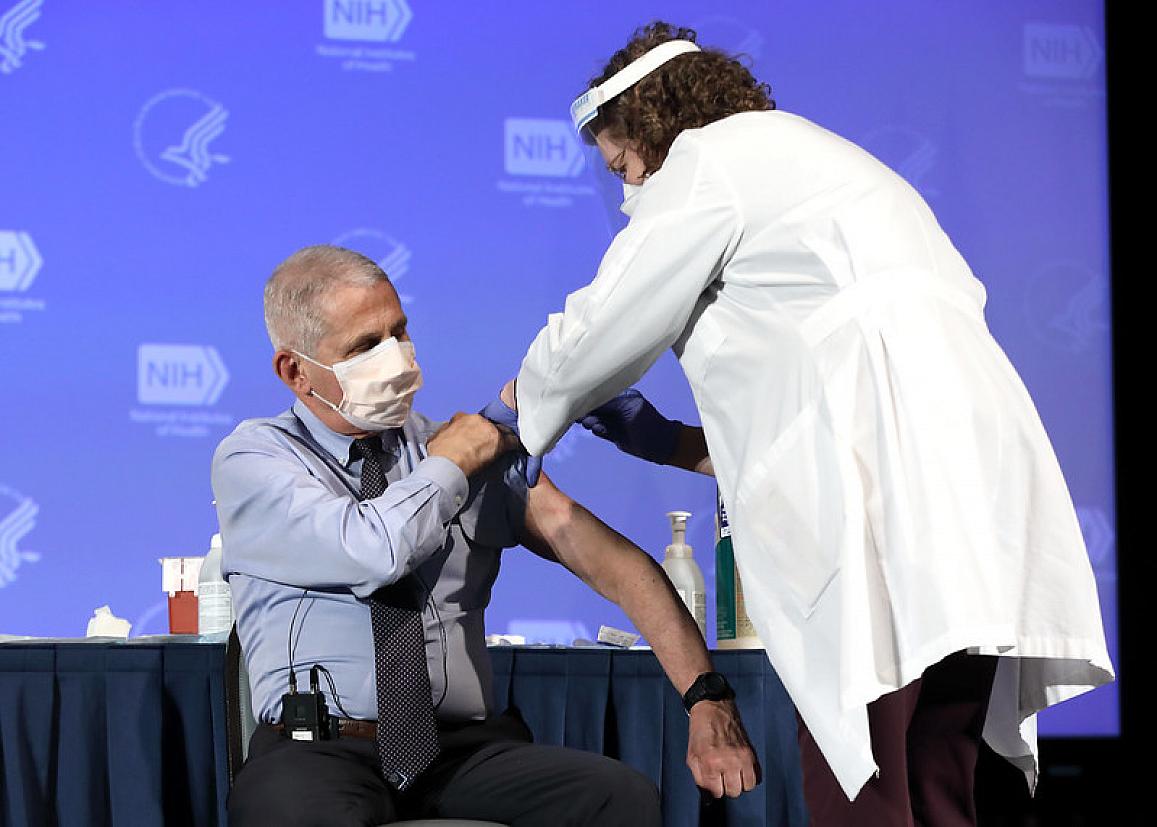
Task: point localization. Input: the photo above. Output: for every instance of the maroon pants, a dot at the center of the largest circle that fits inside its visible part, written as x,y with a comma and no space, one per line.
925,739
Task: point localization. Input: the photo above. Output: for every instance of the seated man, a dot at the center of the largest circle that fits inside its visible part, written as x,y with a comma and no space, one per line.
362,539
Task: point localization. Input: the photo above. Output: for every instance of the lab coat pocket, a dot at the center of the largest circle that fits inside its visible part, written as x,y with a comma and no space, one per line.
792,509
695,349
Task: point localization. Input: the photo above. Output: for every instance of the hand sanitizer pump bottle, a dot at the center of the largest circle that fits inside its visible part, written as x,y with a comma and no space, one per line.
684,572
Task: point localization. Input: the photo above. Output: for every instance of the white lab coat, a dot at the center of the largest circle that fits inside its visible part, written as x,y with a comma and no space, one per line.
893,495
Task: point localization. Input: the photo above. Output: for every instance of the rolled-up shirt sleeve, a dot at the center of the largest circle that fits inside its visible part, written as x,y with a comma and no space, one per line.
281,523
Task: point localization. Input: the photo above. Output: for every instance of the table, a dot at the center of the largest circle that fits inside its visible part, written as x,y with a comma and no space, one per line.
112,733
133,733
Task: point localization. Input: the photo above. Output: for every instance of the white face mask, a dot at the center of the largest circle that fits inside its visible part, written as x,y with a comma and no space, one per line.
377,386
630,197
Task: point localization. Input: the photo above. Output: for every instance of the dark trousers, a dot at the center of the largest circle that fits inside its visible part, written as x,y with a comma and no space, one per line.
926,741
487,771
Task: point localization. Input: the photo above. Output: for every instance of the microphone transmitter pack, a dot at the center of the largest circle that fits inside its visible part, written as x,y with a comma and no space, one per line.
305,716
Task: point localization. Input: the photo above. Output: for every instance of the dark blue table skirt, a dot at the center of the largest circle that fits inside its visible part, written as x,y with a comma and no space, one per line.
116,734
134,733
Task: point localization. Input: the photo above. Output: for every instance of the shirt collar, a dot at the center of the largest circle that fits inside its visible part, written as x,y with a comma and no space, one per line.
338,445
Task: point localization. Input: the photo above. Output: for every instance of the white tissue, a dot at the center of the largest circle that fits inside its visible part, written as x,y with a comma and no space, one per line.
105,624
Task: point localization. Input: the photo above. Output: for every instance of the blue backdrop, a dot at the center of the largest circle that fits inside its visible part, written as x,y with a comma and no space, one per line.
158,159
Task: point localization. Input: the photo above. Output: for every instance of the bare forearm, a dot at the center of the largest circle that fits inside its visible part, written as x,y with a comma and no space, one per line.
718,752
630,578
653,605
691,451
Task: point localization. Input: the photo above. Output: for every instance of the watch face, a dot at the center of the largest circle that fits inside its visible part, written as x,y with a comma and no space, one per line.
715,684
710,686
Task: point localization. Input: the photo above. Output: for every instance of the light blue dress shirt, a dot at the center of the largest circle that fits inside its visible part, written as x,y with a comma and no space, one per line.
292,525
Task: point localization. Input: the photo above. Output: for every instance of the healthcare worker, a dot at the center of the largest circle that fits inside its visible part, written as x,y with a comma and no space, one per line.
909,551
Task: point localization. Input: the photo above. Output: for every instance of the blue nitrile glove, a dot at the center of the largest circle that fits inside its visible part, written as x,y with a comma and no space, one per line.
633,424
502,414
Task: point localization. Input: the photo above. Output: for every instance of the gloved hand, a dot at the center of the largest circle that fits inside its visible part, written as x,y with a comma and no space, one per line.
633,424
503,415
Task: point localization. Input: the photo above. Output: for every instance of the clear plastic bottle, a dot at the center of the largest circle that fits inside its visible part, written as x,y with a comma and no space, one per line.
214,600
684,572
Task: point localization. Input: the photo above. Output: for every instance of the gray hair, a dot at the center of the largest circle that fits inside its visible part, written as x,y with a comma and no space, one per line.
296,292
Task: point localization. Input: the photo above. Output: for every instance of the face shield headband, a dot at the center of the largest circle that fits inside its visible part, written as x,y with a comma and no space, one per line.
586,105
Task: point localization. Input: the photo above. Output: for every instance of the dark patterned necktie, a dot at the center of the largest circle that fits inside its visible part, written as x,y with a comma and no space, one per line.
407,728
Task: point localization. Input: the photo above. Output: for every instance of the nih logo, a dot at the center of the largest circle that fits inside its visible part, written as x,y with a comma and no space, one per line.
541,147
380,20
19,260
179,375
1061,51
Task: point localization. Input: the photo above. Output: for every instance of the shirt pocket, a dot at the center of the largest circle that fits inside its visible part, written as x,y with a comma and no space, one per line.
790,509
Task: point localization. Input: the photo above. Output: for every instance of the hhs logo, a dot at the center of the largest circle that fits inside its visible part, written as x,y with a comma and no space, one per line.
910,153
1059,51
179,375
390,254
1100,538
17,518
381,20
540,147
13,22
19,260
731,34
1068,307
172,135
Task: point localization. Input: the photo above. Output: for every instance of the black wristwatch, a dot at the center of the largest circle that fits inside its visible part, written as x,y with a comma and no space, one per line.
710,686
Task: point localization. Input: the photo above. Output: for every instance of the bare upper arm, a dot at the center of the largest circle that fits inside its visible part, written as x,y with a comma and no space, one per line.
559,529
547,510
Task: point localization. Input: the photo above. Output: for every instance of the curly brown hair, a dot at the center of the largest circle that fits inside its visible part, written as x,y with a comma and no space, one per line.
690,91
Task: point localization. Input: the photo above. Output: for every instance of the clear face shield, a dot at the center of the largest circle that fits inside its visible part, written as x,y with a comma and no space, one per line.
614,193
